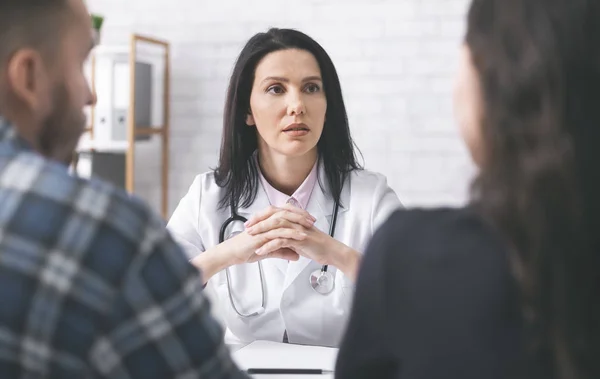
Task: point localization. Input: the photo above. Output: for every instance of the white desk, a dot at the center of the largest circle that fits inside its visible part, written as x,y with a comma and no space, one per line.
292,377
263,354
233,347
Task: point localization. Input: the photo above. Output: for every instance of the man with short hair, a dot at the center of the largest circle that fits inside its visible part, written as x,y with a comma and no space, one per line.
91,283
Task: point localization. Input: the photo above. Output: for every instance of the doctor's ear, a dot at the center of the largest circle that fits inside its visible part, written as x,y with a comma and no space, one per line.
250,119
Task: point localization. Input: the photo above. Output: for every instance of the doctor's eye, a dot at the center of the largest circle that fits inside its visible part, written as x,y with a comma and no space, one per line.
275,89
312,88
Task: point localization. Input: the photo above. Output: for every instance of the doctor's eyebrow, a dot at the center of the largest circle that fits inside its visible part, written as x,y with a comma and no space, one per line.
286,80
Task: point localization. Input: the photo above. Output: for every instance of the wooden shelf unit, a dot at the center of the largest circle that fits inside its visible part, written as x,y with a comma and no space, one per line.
128,146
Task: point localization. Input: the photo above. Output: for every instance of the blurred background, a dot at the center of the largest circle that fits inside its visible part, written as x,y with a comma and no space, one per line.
396,61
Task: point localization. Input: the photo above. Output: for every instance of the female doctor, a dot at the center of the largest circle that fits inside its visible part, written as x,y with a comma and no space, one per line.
279,226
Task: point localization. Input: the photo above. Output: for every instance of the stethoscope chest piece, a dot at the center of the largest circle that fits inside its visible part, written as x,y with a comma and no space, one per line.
322,281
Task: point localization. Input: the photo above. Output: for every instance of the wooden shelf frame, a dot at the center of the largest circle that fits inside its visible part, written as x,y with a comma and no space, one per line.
162,131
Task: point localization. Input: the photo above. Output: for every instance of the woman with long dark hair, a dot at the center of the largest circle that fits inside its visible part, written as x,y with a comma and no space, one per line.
509,286
288,187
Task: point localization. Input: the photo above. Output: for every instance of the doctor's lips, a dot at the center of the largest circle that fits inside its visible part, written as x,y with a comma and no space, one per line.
296,130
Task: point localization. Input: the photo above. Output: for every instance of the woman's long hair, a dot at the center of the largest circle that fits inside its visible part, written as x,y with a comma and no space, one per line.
236,171
538,63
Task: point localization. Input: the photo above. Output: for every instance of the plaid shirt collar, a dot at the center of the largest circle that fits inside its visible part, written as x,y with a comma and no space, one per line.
9,136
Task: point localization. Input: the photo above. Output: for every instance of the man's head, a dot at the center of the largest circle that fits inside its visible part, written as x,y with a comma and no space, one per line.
43,89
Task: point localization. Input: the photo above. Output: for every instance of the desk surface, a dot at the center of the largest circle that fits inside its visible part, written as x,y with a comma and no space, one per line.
236,347
328,376
233,347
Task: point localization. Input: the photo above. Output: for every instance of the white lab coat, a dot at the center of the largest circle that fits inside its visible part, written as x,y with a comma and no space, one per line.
291,303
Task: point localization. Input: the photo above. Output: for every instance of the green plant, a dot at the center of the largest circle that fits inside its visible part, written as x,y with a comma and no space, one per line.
97,21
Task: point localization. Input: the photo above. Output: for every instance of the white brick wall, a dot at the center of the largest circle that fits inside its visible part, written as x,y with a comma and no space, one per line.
396,61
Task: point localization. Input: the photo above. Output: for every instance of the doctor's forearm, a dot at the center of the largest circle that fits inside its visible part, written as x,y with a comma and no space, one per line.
211,262
348,261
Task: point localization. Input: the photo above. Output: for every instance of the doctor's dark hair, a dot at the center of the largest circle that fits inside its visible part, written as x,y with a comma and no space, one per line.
538,63
236,171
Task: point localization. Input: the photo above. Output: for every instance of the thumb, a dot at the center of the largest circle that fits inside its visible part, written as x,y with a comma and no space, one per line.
285,253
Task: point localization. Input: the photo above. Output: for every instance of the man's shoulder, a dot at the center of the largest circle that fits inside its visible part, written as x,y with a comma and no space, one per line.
30,182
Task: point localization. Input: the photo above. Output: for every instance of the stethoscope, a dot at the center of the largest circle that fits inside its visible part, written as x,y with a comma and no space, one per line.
320,280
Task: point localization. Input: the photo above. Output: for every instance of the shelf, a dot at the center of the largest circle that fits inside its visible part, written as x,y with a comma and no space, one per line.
148,131
141,131
145,50
142,51
103,146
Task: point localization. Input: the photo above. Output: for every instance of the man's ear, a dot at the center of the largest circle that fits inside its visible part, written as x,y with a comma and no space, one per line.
28,80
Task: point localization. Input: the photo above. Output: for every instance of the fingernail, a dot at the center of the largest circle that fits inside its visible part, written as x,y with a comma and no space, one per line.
247,223
258,252
310,221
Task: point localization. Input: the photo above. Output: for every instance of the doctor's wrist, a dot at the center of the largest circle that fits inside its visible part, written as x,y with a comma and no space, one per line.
211,262
348,260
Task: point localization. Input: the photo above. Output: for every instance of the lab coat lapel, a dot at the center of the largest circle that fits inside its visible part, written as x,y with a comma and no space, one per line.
260,203
320,206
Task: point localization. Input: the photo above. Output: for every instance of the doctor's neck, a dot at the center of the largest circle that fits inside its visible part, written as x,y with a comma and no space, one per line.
286,173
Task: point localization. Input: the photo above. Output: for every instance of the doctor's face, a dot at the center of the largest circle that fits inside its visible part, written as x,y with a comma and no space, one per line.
287,103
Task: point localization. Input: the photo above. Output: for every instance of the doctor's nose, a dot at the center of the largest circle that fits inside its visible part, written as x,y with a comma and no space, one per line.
296,106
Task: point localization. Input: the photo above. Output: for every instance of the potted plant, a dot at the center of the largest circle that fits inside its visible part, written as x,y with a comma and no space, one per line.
97,22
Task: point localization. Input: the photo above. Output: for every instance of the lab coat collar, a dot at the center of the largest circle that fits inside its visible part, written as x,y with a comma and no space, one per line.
319,204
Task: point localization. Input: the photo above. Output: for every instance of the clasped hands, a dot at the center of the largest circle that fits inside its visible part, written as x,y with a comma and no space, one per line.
287,232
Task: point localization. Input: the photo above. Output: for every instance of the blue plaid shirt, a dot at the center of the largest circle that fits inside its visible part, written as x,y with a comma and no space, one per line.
91,283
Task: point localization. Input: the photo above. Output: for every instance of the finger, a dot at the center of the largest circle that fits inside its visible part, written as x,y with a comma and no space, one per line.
273,245
282,219
288,233
261,216
299,211
303,218
271,210
270,224
285,253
